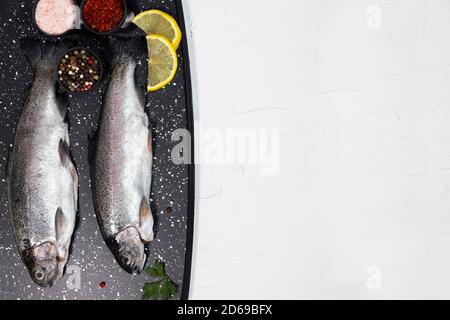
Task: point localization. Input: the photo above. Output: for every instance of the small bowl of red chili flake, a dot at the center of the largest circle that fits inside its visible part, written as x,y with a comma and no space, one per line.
103,16
79,70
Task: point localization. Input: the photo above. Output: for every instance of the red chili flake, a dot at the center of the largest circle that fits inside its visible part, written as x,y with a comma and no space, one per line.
103,15
102,284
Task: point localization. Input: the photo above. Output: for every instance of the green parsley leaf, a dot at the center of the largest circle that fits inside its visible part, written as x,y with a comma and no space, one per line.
171,287
164,293
164,288
151,291
157,270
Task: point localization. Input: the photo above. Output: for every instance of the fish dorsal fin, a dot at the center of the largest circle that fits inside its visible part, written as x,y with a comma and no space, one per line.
63,150
62,101
146,221
8,162
150,140
141,95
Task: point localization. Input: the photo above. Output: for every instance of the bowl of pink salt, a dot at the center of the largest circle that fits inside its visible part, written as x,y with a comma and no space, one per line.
55,17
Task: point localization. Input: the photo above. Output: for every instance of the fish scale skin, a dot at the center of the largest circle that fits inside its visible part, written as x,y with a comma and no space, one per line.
123,161
38,182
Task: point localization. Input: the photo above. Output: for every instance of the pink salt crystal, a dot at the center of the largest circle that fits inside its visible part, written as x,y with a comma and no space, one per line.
55,17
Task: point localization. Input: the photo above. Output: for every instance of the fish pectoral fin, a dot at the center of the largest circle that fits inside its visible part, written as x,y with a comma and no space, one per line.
146,221
63,253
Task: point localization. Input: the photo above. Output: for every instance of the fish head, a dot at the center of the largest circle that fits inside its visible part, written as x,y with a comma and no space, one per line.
130,250
42,263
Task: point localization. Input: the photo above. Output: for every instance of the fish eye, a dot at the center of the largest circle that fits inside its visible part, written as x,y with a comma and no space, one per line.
126,260
39,275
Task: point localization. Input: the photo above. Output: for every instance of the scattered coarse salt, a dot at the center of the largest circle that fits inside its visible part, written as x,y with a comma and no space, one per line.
55,17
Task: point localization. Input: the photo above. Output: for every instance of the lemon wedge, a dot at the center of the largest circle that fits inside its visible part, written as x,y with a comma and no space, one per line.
162,62
159,22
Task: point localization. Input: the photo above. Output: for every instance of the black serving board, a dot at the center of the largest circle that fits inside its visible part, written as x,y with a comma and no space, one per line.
172,195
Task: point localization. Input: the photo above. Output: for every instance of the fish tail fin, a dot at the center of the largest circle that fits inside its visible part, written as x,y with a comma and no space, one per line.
123,50
43,53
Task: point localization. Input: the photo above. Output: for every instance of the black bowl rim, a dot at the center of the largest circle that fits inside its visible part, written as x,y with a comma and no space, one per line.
100,74
112,30
37,26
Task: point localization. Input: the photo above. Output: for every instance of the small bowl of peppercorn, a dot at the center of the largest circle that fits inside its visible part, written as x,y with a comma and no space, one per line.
103,17
79,70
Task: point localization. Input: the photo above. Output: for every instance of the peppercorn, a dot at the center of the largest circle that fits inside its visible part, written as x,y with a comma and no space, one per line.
75,74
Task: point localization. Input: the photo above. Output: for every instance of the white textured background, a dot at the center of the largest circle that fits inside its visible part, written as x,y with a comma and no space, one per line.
360,207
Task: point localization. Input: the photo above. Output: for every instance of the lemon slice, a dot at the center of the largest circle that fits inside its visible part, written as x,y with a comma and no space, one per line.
162,62
158,22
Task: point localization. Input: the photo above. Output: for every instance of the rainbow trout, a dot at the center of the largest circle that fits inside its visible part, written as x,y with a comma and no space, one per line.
123,165
42,179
